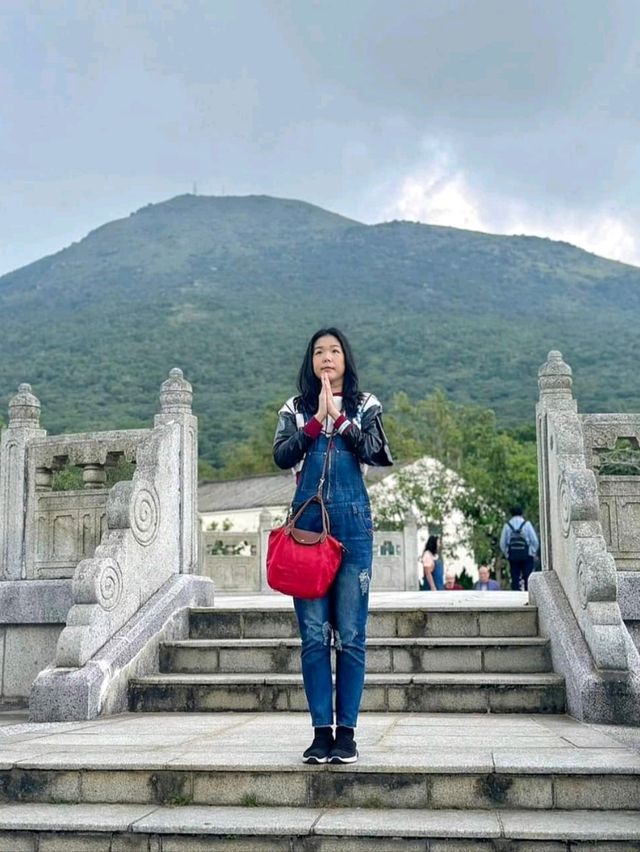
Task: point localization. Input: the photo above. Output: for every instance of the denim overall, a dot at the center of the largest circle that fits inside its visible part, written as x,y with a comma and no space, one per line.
343,610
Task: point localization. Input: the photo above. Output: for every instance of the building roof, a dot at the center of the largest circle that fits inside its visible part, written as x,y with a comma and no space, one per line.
249,492
256,492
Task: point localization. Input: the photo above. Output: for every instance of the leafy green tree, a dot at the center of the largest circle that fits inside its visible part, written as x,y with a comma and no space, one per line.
255,455
427,489
496,468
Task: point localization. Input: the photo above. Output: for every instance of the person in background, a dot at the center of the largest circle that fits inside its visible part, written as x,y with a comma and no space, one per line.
450,583
485,583
432,568
519,544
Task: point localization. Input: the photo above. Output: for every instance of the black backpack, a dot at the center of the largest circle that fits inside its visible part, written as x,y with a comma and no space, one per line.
518,549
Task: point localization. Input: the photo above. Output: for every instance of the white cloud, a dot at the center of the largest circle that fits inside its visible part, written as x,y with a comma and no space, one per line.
441,194
438,195
602,234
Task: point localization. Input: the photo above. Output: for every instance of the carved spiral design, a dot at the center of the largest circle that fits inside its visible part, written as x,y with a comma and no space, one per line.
109,587
145,515
565,507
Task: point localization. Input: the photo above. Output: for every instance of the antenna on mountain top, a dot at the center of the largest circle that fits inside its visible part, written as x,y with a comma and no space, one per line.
195,188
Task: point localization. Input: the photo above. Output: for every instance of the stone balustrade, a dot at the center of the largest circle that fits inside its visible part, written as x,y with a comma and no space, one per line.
577,592
125,555
68,525
618,493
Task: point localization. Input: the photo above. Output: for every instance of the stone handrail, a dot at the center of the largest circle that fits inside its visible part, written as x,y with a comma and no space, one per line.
573,544
63,527
144,544
134,590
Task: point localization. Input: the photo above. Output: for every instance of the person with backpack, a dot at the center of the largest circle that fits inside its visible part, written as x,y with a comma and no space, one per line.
519,543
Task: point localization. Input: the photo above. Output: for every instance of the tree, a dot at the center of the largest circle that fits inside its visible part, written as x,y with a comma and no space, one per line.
496,468
427,489
255,455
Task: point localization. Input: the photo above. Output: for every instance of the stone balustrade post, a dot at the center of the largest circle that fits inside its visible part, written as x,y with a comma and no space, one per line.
176,396
24,424
555,394
410,552
574,549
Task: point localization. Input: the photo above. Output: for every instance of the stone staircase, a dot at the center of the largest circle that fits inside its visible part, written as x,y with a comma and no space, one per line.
453,659
467,752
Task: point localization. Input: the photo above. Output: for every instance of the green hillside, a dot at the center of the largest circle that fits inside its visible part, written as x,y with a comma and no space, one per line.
230,289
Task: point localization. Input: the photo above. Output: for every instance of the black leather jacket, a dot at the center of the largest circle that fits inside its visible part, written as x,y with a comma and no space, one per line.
365,437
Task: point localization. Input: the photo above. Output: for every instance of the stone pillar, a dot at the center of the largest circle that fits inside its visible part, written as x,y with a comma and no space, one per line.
94,476
265,523
176,396
554,383
410,548
24,424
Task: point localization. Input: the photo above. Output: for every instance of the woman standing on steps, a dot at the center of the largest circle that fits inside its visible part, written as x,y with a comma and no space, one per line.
330,415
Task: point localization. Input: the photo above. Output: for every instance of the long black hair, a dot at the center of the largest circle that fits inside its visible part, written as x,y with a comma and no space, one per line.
431,545
309,384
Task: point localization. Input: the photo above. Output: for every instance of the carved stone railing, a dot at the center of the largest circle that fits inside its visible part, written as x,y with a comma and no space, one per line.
574,544
579,571
130,550
66,526
143,546
618,493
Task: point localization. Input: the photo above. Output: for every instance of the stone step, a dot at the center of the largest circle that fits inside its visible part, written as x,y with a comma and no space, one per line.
116,828
517,654
411,622
442,692
440,780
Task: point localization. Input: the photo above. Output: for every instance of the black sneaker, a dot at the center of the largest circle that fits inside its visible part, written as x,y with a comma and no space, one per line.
344,749
320,748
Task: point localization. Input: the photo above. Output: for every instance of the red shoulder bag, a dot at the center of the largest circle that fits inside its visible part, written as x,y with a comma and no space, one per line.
302,563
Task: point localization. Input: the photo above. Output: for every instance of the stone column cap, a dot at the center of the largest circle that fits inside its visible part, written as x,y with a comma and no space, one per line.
176,394
555,375
24,408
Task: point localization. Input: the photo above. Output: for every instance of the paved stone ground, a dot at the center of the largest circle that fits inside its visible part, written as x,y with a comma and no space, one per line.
467,741
411,740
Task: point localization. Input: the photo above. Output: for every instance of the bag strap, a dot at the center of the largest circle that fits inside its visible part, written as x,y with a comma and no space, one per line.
324,469
317,498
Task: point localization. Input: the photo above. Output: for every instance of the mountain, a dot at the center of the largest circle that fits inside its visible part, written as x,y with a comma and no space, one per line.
230,289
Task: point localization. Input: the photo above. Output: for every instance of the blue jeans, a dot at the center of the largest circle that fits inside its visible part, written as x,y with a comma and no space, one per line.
342,612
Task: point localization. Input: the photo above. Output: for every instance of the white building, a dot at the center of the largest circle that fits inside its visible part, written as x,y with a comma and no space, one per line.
236,505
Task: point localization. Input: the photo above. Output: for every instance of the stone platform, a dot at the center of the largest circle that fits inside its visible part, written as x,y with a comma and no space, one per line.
425,782
545,781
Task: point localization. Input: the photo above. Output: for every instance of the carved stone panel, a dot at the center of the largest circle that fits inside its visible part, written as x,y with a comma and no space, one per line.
230,559
620,515
602,434
69,527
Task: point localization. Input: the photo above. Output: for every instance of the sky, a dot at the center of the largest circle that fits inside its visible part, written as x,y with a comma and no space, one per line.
506,116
